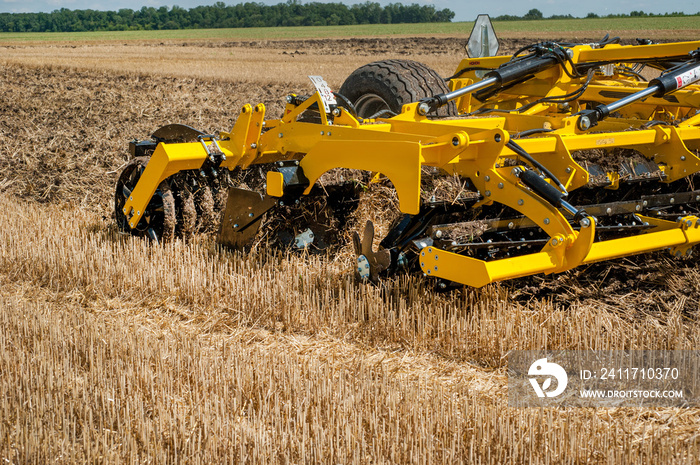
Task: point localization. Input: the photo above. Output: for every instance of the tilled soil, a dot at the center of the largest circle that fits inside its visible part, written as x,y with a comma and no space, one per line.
64,133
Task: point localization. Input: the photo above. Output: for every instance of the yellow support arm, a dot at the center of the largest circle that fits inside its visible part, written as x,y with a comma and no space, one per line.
399,161
166,160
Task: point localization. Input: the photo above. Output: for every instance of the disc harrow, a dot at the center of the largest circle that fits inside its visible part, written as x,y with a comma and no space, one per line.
564,155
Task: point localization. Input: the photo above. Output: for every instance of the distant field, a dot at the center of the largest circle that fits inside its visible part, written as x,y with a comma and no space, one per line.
503,28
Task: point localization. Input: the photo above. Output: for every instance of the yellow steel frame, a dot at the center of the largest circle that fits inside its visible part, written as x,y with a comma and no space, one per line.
474,148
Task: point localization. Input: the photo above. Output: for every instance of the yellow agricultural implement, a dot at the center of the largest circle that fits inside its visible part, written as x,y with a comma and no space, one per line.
530,147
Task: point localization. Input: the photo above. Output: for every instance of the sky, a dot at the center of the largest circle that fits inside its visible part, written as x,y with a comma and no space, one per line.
465,10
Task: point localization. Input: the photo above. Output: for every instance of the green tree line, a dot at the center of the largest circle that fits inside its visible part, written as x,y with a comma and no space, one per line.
534,14
220,15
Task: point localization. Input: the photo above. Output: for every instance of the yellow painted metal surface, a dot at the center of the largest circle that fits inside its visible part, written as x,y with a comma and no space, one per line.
478,273
275,184
399,161
166,160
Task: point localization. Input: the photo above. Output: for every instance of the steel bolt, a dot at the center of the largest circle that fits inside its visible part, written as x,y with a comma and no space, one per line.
638,207
521,201
568,170
250,215
455,141
487,178
673,200
290,99
585,223
682,157
546,221
423,109
608,211
281,204
235,225
488,193
500,185
323,133
645,203
584,123
555,242
511,225
131,199
280,135
336,112
253,145
438,234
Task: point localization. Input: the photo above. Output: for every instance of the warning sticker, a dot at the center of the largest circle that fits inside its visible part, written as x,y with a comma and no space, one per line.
688,77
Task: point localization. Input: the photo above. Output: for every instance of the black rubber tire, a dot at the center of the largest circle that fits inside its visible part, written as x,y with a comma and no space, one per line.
392,84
